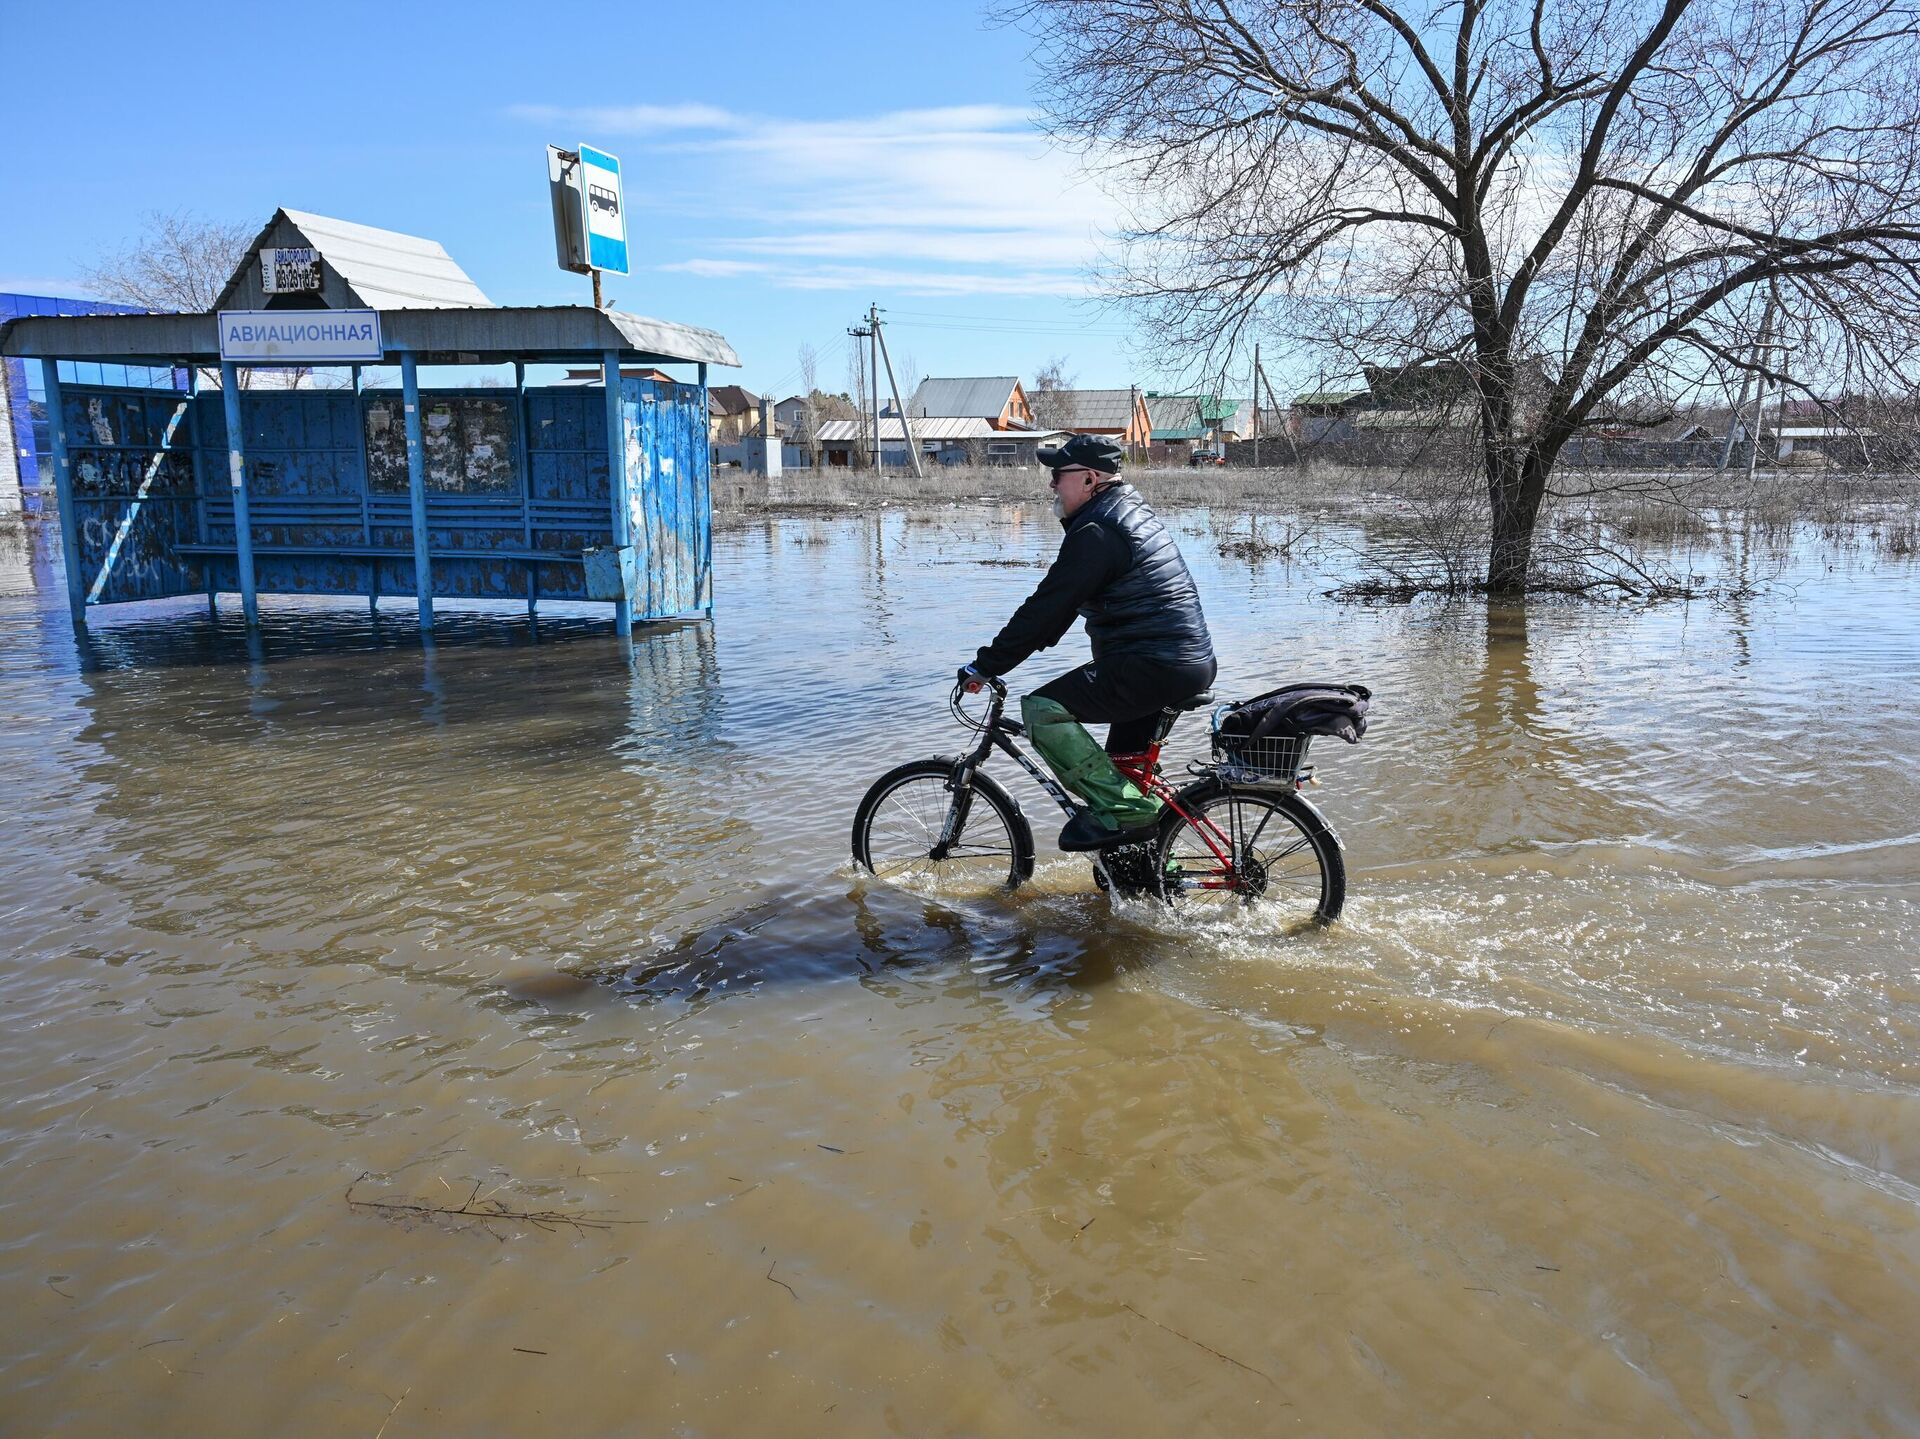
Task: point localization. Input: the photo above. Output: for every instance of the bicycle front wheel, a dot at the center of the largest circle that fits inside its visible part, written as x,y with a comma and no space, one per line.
899,823
1246,847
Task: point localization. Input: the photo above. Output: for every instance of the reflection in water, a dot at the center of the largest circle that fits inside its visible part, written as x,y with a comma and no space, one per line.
1597,1111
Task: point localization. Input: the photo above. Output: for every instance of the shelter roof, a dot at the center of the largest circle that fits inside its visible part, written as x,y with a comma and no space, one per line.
556,333
1086,409
381,269
985,396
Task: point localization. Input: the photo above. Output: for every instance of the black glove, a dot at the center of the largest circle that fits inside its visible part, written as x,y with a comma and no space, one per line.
970,679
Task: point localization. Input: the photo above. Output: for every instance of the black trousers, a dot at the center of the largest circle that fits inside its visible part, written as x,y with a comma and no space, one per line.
1127,693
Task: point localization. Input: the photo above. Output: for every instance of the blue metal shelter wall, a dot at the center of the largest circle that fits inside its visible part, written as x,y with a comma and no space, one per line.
113,446
319,527
669,466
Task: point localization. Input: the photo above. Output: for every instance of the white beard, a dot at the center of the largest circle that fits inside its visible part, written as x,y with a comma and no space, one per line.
1059,510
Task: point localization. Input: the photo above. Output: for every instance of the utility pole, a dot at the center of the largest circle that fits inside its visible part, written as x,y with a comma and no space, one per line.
1256,404
906,427
1761,347
859,333
873,369
1260,371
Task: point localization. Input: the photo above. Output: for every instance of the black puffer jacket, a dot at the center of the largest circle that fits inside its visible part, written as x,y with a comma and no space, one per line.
1119,568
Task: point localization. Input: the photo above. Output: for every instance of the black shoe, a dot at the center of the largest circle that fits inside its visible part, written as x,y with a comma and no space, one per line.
1087,830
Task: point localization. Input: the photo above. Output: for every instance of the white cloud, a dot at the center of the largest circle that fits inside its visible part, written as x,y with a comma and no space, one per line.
630,119
716,269
960,199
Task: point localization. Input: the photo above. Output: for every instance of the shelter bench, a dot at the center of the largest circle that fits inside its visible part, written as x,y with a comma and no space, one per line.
531,559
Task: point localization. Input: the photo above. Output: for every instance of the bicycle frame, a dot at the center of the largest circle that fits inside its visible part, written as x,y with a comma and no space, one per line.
999,732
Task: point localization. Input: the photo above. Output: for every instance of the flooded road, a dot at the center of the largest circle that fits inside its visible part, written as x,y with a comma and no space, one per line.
1599,1111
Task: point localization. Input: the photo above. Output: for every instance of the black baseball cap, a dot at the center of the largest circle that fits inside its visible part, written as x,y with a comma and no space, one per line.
1089,450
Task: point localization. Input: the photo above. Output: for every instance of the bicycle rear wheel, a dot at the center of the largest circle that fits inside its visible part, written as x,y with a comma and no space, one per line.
1247,847
899,823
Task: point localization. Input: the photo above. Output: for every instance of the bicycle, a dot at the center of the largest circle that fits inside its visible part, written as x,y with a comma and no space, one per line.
1239,833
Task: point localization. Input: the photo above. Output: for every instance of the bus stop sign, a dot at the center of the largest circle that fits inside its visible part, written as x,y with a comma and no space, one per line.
605,209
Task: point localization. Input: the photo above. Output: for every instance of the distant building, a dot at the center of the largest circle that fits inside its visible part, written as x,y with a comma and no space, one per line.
997,399
596,375
1184,423
26,454
963,441
1118,414
732,413
790,417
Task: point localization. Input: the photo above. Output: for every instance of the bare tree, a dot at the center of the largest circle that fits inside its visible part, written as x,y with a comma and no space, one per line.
809,384
180,264
863,410
1587,210
910,377
1046,397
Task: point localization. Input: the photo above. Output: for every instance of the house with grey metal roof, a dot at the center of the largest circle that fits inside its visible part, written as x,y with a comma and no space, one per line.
997,399
950,441
1121,414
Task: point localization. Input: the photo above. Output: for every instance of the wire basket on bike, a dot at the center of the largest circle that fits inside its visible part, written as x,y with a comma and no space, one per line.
1273,757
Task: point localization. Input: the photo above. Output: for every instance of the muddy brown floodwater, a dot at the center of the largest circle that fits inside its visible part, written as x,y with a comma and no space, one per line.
1598,1113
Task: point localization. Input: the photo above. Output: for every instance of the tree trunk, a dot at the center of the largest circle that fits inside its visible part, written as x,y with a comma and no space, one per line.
1516,485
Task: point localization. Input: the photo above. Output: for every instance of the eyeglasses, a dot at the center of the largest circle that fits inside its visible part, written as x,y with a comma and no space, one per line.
1065,470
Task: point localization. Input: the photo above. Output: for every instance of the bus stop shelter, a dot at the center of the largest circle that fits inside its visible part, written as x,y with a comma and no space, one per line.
483,492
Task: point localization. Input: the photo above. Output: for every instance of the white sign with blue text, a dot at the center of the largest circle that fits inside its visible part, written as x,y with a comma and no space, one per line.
605,210
300,337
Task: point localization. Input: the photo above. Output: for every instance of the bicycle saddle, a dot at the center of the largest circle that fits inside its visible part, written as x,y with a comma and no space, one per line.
1198,702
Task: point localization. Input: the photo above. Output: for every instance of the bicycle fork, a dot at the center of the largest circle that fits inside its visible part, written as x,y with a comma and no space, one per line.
960,786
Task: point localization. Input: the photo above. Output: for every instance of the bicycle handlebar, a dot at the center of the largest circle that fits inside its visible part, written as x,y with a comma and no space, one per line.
997,685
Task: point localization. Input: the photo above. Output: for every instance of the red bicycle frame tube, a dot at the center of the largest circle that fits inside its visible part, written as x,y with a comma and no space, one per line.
1143,769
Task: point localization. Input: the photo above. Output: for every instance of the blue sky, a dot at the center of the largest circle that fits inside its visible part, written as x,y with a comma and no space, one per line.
784,164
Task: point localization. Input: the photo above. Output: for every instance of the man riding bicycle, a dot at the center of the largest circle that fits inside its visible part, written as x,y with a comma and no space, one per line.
1119,569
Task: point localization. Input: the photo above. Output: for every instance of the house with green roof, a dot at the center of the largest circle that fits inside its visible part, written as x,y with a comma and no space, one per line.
1180,422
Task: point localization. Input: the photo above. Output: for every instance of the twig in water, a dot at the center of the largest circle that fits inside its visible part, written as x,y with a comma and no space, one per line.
483,1210
1200,1344
389,1419
518,1350
781,1282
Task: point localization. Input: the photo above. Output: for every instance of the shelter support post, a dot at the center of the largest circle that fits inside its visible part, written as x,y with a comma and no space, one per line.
237,474
522,458
618,480
417,489
63,493
703,590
